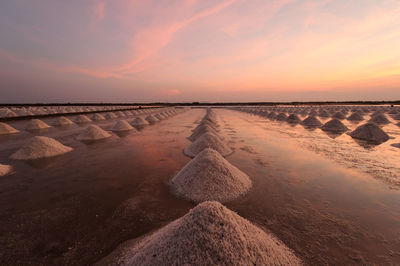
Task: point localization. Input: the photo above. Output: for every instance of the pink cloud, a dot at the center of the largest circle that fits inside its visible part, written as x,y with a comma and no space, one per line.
98,11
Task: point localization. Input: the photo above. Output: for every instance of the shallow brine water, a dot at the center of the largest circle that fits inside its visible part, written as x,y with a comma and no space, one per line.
332,200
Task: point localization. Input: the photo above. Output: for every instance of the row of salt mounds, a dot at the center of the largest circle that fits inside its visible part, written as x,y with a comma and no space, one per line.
122,126
93,132
209,176
40,147
7,129
210,234
207,140
5,169
36,124
202,129
370,132
82,119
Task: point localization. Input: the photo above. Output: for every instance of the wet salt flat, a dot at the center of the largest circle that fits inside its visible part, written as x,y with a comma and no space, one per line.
329,198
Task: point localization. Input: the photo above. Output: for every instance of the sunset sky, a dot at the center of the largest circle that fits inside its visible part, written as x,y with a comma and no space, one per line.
199,50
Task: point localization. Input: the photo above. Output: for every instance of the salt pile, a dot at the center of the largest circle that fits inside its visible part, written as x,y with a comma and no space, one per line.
339,115
355,117
370,132
293,119
98,117
151,119
379,119
139,121
7,129
200,130
82,119
311,121
63,121
121,126
334,125
5,169
93,132
396,117
207,140
281,117
40,147
209,176
36,124
210,234
111,116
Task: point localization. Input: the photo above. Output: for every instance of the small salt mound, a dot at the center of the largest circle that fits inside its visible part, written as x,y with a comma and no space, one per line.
82,119
159,117
36,124
379,119
210,234
200,130
63,121
355,117
208,123
139,121
293,119
311,121
7,129
122,125
281,117
98,117
111,116
334,125
5,169
93,132
40,147
207,140
151,119
209,176
396,117
370,132
339,115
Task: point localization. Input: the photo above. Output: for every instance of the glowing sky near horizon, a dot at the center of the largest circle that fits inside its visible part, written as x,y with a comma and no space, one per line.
199,50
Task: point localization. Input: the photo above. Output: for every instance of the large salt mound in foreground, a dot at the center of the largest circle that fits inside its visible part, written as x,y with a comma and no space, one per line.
5,169
207,140
93,132
210,234
7,129
40,147
36,124
209,176
370,132
334,125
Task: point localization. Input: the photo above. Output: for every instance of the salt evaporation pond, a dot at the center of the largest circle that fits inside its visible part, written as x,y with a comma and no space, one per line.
331,199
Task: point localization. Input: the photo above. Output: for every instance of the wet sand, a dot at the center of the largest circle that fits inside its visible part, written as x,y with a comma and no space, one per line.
77,208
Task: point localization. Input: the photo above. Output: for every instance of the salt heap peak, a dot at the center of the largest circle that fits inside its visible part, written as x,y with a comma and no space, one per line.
7,129
379,119
121,126
334,125
36,124
111,116
151,119
311,121
207,140
93,132
210,234
40,147
293,119
370,132
209,176
139,121
82,119
339,115
63,121
5,169
200,130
